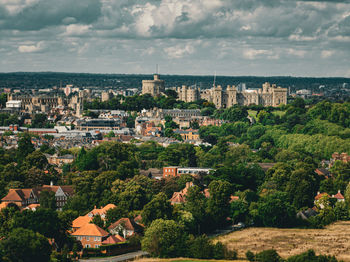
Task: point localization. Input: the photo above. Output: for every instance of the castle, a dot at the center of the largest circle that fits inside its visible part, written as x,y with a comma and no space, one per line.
269,95
154,87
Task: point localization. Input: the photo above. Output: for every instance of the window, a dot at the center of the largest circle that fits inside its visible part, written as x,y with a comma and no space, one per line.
97,239
87,238
97,246
87,246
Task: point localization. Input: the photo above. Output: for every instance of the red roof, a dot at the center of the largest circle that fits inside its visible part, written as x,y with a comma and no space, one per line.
81,221
339,196
114,240
320,195
90,230
125,222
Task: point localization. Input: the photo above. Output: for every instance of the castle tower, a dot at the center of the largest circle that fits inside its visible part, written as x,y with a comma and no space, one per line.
154,87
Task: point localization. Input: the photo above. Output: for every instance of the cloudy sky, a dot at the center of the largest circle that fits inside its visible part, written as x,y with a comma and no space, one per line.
231,37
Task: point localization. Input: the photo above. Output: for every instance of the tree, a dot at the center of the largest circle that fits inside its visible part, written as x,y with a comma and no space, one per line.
195,204
269,255
200,247
26,246
36,159
25,146
164,238
218,203
158,207
275,210
47,200
98,221
310,256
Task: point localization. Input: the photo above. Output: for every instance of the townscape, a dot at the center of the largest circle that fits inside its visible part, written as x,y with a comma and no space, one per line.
102,174
174,131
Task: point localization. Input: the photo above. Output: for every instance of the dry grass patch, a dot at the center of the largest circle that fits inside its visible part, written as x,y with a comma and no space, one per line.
184,260
333,240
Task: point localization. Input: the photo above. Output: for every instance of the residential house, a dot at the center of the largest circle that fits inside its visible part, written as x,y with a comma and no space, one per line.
80,222
101,211
180,197
27,196
21,197
91,235
113,239
126,226
172,171
189,134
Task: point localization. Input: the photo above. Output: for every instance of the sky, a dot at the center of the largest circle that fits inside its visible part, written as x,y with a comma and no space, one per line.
192,37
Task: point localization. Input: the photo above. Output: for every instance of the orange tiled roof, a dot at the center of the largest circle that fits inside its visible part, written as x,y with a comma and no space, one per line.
90,230
13,195
319,196
339,196
103,210
178,198
81,221
114,239
3,205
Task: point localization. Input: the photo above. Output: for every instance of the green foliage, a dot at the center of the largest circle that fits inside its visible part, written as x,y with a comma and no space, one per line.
47,200
164,238
269,255
158,207
25,245
275,211
310,256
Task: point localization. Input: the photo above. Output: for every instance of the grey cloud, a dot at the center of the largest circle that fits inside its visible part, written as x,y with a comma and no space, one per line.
52,13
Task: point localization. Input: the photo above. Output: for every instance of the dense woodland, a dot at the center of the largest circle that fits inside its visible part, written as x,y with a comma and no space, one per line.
296,137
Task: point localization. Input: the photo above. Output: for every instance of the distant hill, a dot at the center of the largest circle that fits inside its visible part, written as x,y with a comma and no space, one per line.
49,79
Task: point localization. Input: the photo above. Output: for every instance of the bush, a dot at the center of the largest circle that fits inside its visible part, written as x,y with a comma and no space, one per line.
269,255
250,255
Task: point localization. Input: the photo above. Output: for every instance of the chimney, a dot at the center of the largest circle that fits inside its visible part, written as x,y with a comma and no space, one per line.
51,183
15,127
339,191
318,192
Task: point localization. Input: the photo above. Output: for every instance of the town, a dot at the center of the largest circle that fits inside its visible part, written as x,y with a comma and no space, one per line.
114,166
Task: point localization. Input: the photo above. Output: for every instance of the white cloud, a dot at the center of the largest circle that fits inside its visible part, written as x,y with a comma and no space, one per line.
327,53
298,53
40,46
179,51
253,53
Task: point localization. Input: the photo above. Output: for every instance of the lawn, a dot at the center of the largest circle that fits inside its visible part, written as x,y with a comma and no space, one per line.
333,240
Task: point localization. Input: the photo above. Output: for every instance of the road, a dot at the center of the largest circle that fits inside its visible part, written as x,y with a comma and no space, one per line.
120,258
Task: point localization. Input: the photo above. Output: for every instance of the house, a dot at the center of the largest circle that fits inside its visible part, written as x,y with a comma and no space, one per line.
339,197
180,197
27,196
101,211
126,226
32,207
80,222
172,171
323,172
306,214
113,239
62,193
91,236
189,134
21,197
59,160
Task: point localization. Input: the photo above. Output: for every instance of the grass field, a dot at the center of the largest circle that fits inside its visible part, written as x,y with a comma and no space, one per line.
333,240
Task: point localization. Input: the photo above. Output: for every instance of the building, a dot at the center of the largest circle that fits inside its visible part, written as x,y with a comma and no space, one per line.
269,95
343,157
101,211
27,196
98,124
59,160
91,235
180,197
14,104
153,87
80,222
173,171
189,134
106,95
188,94
125,225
